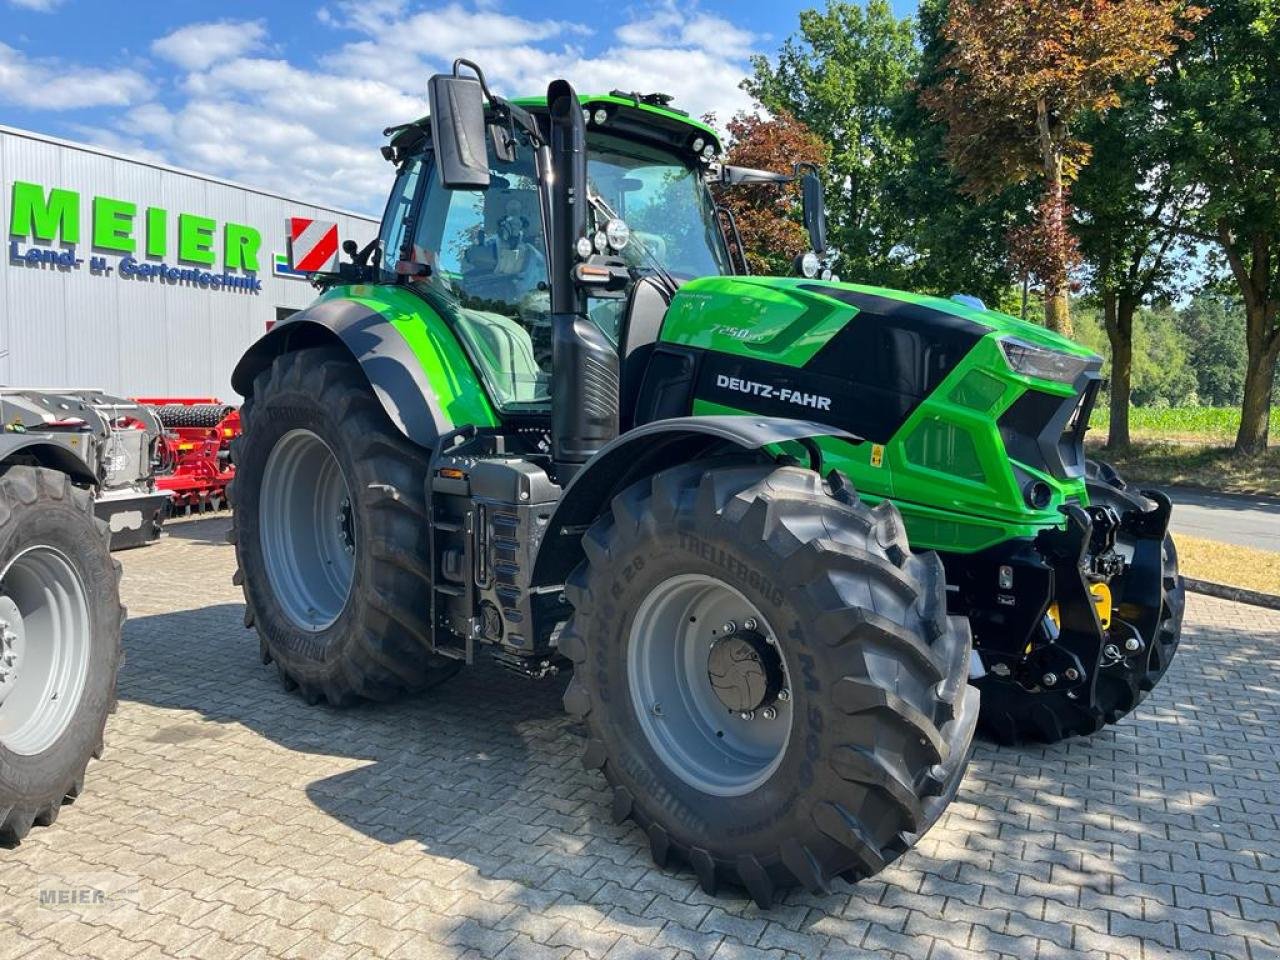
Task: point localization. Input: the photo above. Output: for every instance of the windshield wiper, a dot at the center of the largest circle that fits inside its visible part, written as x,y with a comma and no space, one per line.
603,208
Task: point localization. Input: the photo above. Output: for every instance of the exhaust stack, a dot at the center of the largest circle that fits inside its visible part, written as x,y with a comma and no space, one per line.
585,382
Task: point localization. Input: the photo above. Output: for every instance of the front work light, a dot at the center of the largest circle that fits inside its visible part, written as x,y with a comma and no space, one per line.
618,233
1033,361
810,264
601,116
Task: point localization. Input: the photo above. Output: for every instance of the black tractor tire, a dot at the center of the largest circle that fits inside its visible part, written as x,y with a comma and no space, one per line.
881,715
1012,716
378,647
51,546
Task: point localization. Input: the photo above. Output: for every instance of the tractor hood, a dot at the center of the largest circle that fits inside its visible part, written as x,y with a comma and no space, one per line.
793,318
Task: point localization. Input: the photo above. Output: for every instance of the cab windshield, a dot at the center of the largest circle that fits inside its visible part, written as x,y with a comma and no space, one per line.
665,203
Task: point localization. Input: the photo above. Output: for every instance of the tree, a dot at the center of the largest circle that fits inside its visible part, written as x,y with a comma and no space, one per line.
845,76
1018,78
949,241
1213,326
1130,218
1224,104
768,215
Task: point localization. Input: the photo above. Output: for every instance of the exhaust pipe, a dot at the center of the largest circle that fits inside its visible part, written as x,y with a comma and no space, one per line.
585,381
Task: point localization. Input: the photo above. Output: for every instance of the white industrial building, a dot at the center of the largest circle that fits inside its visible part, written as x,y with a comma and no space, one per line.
138,278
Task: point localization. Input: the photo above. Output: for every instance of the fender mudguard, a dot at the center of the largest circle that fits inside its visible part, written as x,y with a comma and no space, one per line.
642,452
393,371
48,452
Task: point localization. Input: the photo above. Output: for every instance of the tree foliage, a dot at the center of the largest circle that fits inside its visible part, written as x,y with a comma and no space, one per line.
846,75
1224,105
768,216
1018,77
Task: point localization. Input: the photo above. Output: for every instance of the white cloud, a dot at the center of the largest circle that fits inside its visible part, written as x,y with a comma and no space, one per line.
198,46
40,6
312,128
50,84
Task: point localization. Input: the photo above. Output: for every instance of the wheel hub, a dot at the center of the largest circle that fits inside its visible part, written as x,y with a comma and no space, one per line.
12,643
711,696
745,671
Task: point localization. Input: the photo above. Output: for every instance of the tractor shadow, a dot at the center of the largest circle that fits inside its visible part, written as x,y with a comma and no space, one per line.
485,771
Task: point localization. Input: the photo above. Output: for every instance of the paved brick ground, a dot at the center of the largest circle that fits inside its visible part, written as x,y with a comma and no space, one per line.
231,820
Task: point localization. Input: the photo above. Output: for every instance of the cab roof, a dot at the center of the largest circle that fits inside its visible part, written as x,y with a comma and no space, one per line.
635,114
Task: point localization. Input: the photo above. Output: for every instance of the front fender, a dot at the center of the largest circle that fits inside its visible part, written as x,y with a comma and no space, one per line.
395,372
642,452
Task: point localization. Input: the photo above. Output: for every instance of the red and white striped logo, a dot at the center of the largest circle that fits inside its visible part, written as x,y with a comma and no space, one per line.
313,245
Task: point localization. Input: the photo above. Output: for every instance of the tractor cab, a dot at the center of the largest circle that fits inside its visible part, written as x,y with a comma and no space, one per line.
480,250
478,246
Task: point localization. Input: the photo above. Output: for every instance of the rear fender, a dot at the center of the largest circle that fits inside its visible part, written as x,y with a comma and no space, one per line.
642,452
394,373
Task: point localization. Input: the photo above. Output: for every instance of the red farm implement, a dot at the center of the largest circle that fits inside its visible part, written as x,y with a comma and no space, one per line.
194,453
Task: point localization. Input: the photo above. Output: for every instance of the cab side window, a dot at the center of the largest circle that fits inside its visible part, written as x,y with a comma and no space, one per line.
399,208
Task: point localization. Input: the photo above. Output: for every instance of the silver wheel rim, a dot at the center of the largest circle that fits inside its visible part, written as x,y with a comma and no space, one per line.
45,639
308,530
698,738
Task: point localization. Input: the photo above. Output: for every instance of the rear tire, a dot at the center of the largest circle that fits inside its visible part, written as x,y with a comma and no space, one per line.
60,626
1012,715
330,529
880,716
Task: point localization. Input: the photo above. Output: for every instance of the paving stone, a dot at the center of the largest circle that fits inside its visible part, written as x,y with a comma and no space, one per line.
230,820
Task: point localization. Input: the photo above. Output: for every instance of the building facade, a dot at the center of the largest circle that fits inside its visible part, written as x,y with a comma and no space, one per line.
138,278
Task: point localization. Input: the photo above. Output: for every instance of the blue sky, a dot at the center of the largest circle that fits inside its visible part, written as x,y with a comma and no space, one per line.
293,96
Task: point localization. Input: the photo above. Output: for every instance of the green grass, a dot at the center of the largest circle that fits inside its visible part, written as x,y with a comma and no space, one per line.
1216,425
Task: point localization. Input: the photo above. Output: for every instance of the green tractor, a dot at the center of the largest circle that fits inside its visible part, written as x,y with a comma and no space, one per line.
546,417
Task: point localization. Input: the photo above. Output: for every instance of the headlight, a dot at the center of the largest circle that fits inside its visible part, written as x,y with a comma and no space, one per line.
708,151
618,233
600,116
697,144
1033,361
584,247
810,264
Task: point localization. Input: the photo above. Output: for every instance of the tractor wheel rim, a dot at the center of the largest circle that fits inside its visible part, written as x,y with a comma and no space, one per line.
686,718
45,639
308,530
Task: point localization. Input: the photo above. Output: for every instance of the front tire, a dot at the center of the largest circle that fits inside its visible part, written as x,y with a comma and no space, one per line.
60,627
690,727
330,529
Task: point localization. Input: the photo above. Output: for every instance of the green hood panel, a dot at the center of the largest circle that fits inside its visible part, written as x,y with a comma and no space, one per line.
715,312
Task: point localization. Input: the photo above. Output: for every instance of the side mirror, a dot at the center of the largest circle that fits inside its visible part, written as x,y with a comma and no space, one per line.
815,212
458,131
733,176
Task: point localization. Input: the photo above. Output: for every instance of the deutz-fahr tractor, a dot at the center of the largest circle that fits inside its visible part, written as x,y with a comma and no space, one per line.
546,416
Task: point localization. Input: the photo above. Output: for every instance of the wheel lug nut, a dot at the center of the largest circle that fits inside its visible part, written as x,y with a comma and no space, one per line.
749,623
729,627
747,715
1049,679
1133,644
1071,673
769,713
784,695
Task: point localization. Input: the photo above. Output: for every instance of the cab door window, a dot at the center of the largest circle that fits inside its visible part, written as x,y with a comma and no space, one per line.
486,251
